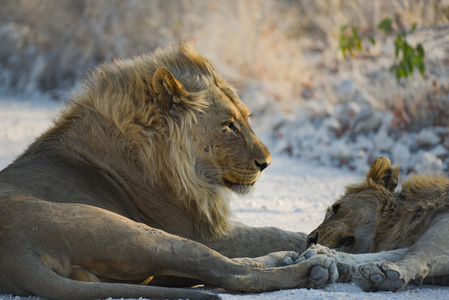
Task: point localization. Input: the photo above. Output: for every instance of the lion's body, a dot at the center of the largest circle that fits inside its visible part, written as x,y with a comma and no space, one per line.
133,181
403,221
372,217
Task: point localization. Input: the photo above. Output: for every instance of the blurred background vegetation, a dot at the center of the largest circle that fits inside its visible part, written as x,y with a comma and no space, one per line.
280,54
283,44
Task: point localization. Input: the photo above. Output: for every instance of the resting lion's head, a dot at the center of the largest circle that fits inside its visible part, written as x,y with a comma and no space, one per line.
167,123
350,223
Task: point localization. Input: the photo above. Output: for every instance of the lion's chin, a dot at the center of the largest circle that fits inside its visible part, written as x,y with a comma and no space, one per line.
238,188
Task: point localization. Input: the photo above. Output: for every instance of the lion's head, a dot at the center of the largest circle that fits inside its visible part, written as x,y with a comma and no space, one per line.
350,223
228,152
208,121
170,124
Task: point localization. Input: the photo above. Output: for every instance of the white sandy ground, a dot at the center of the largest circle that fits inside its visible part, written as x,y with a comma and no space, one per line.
291,194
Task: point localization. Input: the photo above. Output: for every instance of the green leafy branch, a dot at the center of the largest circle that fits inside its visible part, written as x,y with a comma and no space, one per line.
407,57
350,41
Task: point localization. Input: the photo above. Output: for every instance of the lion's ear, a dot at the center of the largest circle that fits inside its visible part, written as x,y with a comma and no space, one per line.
168,90
383,173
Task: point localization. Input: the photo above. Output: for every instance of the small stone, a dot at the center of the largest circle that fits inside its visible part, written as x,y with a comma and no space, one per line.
429,163
401,155
383,142
427,138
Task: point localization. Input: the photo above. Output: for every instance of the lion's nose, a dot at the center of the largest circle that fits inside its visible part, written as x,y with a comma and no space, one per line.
262,156
261,166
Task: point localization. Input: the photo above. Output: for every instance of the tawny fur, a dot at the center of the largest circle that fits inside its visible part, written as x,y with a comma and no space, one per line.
372,217
132,185
116,104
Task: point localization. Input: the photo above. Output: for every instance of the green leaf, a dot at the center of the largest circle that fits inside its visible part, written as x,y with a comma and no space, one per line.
407,51
385,25
343,50
358,43
414,26
343,27
410,66
400,73
404,69
420,50
415,61
421,68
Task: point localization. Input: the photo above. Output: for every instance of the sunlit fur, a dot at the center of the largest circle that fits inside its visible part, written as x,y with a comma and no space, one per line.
401,221
113,122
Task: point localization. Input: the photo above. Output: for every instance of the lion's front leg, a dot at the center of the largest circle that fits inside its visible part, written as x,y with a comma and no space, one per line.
119,249
246,241
316,272
272,260
428,257
347,262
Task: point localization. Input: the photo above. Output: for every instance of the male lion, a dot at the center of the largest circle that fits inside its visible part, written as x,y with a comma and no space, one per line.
131,185
372,217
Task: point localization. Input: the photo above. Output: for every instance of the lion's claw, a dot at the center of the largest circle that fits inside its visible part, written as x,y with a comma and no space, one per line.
384,276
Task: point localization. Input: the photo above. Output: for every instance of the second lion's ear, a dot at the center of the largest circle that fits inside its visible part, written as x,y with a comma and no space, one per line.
168,90
383,173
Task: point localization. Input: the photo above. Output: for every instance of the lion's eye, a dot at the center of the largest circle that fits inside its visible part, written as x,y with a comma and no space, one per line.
228,126
331,211
335,208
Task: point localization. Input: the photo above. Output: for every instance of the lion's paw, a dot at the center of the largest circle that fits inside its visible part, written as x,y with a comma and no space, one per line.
344,270
323,270
315,250
384,276
288,259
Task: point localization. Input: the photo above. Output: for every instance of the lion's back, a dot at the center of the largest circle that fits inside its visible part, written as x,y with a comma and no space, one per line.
421,200
61,179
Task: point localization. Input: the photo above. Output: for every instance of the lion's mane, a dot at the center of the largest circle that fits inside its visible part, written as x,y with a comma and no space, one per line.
112,105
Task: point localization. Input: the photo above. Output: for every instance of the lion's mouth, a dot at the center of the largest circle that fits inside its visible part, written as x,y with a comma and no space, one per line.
241,178
344,243
240,188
